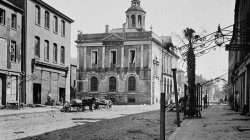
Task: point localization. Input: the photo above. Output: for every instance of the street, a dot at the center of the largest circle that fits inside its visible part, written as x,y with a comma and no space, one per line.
119,122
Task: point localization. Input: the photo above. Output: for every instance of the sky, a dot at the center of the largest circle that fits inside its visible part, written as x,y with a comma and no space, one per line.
167,17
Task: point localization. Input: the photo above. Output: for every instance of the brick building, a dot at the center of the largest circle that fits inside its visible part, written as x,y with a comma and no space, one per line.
10,54
239,61
46,52
126,65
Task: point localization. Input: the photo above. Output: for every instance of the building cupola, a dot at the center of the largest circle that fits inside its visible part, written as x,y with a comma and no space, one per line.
135,16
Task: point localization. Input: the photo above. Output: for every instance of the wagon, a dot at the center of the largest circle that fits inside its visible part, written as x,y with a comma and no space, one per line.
103,103
78,105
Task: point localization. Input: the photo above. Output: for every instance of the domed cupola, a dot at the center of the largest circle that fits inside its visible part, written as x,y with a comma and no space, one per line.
135,15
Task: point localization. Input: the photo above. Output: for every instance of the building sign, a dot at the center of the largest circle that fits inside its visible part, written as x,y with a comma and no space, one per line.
238,47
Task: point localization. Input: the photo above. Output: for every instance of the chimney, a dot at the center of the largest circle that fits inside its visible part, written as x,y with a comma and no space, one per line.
124,27
106,28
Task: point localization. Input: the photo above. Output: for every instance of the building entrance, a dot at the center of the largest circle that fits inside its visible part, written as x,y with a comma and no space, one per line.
37,93
62,94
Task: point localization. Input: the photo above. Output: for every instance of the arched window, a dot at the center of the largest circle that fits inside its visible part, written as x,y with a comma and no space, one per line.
131,83
139,21
112,84
37,15
133,20
94,84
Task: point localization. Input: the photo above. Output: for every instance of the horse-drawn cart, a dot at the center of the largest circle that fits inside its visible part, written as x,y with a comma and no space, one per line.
79,105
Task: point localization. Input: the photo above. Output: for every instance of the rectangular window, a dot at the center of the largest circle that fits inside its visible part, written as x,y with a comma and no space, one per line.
62,55
94,57
2,16
46,50
113,57
46,24
13,21
55,24
63,28
37,15
55,53
13,51
37,47
132,58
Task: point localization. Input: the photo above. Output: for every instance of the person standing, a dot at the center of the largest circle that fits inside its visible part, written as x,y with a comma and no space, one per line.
236,101
205,101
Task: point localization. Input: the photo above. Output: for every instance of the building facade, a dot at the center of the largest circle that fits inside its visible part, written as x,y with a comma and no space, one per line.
239,61
10,54
125,64
46,52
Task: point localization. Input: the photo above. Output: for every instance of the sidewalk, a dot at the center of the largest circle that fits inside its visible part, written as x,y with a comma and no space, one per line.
28,110
218,122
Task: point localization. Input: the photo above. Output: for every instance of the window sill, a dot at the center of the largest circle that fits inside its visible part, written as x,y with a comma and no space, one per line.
38,24
46,28
36,57
13,29
46,60
54,62
63,36
14,62
55,32
63,64
2,24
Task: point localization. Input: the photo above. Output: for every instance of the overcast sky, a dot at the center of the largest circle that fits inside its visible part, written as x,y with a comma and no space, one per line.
167,17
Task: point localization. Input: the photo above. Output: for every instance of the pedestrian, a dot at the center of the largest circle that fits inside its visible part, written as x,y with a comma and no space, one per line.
236,101
205,101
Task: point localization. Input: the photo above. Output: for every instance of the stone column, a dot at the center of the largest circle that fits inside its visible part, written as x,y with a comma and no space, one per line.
122,56
78,55
85,57
141,56
150,56
103,56
136,20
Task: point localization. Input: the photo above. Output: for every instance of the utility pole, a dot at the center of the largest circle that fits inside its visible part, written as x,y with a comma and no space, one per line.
176,98
162,117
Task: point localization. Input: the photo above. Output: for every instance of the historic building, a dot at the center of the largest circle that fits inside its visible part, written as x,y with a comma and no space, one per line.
239,61
10,54
126,65
46,52
73,85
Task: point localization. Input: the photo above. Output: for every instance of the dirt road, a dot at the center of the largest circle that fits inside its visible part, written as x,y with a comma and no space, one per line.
120,122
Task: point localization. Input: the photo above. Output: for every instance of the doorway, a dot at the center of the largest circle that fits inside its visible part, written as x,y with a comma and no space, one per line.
37,93
2,90
62,95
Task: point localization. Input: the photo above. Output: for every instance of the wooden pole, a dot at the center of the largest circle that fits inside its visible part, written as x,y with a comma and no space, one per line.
201,97
186,99
162,117
176,98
